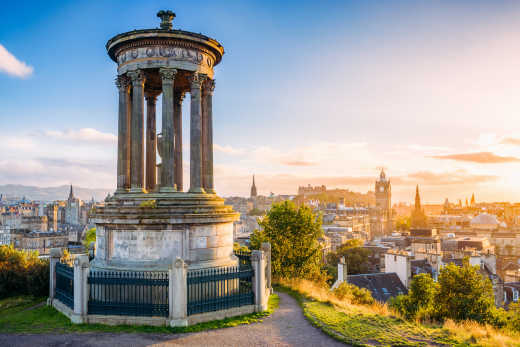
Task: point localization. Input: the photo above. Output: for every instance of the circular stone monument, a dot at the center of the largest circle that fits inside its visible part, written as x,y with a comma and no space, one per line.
150,220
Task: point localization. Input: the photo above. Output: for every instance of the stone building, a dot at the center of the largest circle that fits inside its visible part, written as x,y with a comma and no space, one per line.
73,209
383,189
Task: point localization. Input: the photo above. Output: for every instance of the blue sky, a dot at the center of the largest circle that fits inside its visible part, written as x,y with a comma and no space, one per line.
307,92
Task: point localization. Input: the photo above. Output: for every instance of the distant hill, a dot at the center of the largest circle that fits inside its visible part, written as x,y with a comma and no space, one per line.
52,193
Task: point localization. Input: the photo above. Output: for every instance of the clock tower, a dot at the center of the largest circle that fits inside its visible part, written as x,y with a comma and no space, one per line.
384,202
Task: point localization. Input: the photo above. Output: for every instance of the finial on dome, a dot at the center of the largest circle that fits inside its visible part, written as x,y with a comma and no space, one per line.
166,19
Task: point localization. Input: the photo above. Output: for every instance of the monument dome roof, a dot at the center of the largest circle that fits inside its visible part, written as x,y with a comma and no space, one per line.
164,32
485,218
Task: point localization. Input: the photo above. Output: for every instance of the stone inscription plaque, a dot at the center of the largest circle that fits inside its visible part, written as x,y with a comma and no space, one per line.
145,245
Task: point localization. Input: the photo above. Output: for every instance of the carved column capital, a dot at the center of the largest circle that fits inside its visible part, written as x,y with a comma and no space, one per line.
197,79
208,87
137,77
122,82
167,74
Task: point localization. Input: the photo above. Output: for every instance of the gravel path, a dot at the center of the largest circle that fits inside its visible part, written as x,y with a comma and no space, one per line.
285,327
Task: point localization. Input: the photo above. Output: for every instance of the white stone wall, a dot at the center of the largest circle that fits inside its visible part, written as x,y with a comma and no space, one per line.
400,264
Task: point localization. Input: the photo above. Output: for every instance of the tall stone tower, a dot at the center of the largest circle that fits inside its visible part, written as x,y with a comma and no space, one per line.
383,190
151,220
253,189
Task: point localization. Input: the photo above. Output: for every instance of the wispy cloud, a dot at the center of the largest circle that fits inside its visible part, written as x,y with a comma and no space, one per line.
228,149
12,66
458,177
478,157
510,141
299,163
83,135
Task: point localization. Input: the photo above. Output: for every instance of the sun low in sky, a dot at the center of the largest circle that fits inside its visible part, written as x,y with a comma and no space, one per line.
308,92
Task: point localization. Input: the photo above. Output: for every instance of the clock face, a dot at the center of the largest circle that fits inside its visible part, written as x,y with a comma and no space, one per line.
381,189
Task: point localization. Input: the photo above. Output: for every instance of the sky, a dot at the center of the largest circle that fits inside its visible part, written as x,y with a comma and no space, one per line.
308,92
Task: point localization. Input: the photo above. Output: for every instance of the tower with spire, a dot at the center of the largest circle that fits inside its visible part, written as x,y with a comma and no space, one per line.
418,218
73,209
253,189
417,199
384,202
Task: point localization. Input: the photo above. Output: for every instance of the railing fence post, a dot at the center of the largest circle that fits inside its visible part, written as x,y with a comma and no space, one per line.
178,293
81,269
266,247
258,264
56,254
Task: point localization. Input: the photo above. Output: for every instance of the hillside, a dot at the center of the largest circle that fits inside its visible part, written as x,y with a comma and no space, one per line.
52,193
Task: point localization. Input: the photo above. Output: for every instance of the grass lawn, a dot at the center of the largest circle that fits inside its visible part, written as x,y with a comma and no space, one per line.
361,328
18,315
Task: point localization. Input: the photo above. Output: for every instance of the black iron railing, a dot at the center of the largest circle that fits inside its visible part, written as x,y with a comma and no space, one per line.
65,284
128,293
216,289
244,259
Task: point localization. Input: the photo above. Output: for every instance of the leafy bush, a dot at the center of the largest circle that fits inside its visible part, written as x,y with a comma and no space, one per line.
462,293
419,301
354,294
293,233
22,273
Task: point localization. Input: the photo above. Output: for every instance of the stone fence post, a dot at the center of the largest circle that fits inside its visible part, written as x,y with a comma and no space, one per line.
259,285
56,254
342,273
178,293
81,270
266,247
92,250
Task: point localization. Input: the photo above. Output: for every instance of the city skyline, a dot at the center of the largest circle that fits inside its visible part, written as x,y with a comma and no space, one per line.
432,100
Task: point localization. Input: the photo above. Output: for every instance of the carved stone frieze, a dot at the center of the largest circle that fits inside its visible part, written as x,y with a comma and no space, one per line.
179,51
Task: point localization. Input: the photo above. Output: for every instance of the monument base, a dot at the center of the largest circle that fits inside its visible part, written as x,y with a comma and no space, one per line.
146,232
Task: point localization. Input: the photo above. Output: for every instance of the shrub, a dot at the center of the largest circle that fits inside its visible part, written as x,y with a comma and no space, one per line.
22,273
354,294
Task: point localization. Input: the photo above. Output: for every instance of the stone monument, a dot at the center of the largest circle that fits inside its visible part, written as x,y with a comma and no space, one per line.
150,220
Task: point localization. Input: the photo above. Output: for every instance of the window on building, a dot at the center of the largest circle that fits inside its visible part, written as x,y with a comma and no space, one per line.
515,295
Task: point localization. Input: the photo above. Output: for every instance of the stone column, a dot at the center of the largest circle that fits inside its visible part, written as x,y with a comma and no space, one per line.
266,247
178,293
81,270
196,135
207,136
259,285
55,256
177,126
167,171
151,141
137,132
123,135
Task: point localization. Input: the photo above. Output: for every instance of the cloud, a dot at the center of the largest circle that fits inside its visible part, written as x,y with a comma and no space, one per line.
478,157
83,135
228,149
510,141
300,163
458,177
12,66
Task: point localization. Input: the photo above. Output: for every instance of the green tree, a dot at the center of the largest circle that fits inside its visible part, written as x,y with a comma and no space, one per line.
420,298
464,294
90,237
22,273
356,257
293,233
402,223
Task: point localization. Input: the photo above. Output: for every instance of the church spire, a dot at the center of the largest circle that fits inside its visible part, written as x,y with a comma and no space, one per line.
417,199
253,188
71,193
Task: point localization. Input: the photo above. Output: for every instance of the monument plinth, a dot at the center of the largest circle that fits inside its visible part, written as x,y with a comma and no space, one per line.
150,220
